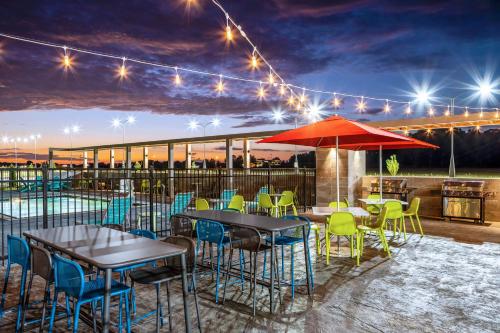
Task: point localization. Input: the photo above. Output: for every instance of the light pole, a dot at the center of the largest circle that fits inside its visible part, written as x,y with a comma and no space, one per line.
193,125
70,131
451,169
35,137
122,123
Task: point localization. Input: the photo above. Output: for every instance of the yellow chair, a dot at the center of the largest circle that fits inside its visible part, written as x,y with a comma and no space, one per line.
145,186
265,202
411,212
346,202
333,204
373,209
342,224
379,228
286,200
395,214
201,204
237,202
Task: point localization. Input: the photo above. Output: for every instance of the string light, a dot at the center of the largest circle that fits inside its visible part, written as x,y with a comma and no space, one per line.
229,32
303,97
408,109
387,107
66,60
261,92
336,101
466,113
254,61
282,89
361,105
447,112
122,70
270,78
431,111
219,88
177,79
291,100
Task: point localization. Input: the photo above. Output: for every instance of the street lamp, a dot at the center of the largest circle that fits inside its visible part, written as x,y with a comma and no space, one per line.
70,130
193,125
122,123
35,137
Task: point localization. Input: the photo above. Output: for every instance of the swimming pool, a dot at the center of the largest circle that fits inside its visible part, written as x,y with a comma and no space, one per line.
32,207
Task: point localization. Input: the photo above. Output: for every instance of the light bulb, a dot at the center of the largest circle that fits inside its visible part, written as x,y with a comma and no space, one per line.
408,109
387,107
336,102
229,33
261,92
361,105
282,90
271,78
219,87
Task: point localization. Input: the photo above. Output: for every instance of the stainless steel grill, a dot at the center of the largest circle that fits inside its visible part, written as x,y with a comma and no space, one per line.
395,188
463,200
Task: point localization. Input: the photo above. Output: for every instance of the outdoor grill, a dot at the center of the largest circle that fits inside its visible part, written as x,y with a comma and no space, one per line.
395,188
463,200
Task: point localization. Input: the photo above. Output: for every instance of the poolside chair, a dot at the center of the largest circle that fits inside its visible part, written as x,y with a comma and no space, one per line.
266,203
286,201
254,205
412,212
117,210
379,228
342,224
18,253
395,215
226,197
29,185
237,203
201,204
180,204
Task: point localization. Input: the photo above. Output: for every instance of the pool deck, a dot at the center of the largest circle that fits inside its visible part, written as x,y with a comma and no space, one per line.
431,284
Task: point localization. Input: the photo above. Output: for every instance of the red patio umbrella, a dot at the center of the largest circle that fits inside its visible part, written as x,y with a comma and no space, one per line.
335,131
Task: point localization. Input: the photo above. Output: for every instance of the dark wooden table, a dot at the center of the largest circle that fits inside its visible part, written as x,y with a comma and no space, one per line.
265,224
108,249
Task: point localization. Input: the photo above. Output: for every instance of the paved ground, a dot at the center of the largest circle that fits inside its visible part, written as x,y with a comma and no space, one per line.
431,284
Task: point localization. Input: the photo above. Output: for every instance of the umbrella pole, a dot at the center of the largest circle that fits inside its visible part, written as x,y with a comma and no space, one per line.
380,171
337,167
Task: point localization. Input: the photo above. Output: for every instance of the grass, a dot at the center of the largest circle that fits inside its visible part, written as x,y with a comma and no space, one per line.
486,173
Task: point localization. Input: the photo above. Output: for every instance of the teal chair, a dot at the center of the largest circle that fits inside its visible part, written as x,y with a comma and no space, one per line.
180,204
254,205
28,185
226,197
117,210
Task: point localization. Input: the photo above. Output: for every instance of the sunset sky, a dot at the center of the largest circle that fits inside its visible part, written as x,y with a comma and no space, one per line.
384,49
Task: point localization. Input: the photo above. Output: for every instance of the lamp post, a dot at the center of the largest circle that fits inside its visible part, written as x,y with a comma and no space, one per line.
70,131
193,125
35,137
122,123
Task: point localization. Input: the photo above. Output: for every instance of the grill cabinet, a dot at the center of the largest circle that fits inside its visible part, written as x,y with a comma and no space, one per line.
463,200
395,188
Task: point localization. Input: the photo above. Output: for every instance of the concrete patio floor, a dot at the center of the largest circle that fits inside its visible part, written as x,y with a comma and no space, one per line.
431,284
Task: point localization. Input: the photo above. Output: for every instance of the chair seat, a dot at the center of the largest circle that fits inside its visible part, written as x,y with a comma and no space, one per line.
314,226
366,228
95,288
408,214
155,275
285,240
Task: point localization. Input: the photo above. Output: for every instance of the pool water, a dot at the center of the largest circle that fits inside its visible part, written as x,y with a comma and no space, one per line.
20,208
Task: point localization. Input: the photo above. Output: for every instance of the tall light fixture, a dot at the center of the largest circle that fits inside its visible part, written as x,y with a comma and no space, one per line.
194,125
70,131
35,137
122,123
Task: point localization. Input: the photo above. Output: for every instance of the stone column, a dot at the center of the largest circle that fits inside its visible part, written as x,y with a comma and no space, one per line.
145,158
171,173
112,158
246,153
188,156
128,157
96,167
51,158
85,160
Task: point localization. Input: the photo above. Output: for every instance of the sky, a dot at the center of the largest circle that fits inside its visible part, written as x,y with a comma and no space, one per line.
386,49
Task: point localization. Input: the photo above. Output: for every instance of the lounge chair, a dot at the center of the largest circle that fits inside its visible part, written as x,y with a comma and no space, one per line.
117,210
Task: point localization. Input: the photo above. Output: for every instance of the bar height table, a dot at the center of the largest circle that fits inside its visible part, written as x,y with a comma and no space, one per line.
108,249
266,224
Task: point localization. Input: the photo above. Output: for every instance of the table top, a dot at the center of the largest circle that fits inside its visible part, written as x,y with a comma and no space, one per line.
262,223
380,201
104,247
327,211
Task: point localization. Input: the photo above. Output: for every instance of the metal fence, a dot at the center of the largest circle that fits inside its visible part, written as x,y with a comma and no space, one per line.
46,197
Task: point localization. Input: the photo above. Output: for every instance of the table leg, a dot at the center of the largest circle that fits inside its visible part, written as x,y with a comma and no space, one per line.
185,293
273,241
276,205
306,254
107,298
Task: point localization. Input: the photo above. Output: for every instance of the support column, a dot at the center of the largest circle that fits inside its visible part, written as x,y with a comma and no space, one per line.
128,157
112,158
96,167
51,158
246,153
171,164
188,156
145,158
356,169
229,161
85,160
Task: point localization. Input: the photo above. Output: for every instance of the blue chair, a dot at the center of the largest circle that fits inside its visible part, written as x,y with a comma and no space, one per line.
18,252
213,233
69,278
117,210
226,197
290,238
254,205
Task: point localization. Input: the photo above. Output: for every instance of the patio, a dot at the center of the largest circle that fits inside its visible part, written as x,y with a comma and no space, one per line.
426,286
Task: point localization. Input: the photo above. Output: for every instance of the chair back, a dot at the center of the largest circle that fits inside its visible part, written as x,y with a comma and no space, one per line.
143,233
263,189
414,206
181,202
237,203
373,196
296,232
201,204
41,263
210,231
118,227
381,218
341,204
68,276
18,251
117,210
394,209
187,243
181,226
265,201
249,238
226,196
342,224
286,198
346,202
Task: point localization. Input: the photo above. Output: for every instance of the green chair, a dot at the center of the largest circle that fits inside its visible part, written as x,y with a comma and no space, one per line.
342,224
379,228
237,203
225,198
411,212
254,205
266,203
373,209
286,200
201,204
395,214
346,202
145,186
333,204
